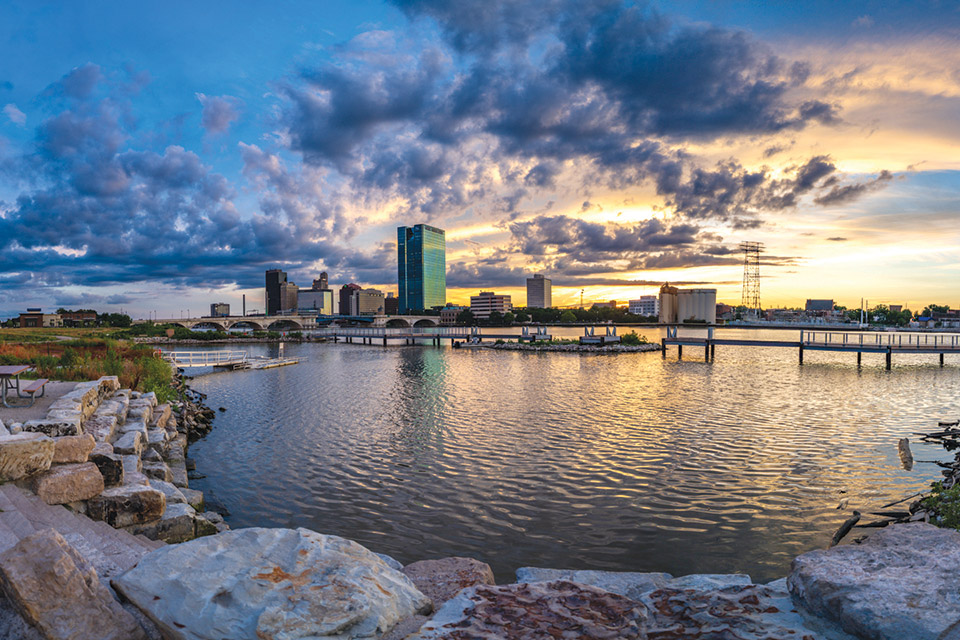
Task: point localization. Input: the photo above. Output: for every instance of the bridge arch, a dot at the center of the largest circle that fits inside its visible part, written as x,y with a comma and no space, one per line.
208,324
425,322
246,324
284,325
397,322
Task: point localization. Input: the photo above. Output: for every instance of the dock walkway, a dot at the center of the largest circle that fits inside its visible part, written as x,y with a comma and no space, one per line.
839,341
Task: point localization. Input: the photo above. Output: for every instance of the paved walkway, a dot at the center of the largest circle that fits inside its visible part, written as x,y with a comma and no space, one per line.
54,391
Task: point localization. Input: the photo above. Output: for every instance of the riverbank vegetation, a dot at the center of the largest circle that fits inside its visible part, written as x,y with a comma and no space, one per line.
137,367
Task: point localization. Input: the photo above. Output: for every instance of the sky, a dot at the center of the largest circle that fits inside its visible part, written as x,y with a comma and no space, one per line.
158,157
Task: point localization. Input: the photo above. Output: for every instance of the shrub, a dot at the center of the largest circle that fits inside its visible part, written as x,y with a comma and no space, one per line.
69,358
945,503
632,339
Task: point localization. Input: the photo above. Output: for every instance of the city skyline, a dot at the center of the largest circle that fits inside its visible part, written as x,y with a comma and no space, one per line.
146,166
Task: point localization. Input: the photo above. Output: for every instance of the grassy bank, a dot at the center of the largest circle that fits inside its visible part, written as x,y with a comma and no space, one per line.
137,366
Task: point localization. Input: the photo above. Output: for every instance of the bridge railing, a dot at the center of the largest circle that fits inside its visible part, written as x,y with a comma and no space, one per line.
203,358
386,332
874,340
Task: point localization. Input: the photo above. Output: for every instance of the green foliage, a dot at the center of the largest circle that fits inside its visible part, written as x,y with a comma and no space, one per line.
465,317
945,503
632,339
508,318
69,358
155,375
114,320
113,363
499,341
523,317
568,316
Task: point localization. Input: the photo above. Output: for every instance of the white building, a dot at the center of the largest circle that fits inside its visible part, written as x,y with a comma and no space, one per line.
688,305
539,292
487,302
645,306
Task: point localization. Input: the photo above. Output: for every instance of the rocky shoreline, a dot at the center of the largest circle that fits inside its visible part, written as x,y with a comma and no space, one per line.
213,583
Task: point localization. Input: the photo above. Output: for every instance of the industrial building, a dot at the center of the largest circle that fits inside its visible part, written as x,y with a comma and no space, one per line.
481,306
421,267
219,310
687,305
644,306
539,292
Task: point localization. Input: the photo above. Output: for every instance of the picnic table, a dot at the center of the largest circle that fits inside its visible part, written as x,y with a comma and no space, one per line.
10,379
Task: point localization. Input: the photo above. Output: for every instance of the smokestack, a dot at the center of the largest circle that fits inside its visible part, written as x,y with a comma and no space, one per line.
244,305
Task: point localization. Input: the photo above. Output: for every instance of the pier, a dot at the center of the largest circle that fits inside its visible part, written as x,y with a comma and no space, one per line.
416,335
840,341
232,360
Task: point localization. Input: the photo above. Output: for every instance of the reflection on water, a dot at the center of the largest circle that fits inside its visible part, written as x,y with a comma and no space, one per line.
627,462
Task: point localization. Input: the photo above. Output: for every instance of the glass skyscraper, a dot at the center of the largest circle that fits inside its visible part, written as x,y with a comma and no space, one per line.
421,267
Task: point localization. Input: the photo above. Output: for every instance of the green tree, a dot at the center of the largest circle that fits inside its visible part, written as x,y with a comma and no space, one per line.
523,317
495,319
568,316
466,318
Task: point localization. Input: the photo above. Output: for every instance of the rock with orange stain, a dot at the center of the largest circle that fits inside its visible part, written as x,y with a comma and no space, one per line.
270,584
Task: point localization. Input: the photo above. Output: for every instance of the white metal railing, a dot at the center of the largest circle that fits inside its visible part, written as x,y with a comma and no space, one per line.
875,340
204,358
386,332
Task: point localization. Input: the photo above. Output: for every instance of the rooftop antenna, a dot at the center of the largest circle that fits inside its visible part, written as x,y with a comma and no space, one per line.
751,276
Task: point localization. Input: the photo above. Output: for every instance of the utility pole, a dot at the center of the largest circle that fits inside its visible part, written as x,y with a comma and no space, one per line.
581,298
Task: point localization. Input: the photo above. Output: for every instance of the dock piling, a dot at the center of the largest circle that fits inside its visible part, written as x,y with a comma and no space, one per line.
941,358
859,358
889,358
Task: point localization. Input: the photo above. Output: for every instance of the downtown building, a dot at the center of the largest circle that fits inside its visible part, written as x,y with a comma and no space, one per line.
318,298
281,296
421,268
481,306
644,306
539,292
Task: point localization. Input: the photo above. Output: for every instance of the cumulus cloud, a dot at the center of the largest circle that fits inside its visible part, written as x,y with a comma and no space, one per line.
219,112
14,114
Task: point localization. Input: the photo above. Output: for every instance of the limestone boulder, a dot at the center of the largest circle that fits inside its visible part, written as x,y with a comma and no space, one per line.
110,465
130,443
161,414
178,524
140,409
53,427
536,610
900,583
109,384
73,448
101,427
440,580
158,470
150,397
24,454
58,591
172,494
65,483
269,583
127,505
194,498
135,423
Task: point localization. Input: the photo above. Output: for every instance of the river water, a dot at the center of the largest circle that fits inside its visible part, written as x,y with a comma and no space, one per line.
620,462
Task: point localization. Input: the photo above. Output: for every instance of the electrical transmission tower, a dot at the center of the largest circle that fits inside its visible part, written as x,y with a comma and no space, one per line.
751,276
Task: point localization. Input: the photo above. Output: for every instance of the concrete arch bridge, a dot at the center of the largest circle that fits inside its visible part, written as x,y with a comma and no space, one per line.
297,322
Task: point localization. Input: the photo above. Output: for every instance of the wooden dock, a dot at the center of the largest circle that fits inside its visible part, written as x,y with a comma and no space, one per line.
417,335
887,343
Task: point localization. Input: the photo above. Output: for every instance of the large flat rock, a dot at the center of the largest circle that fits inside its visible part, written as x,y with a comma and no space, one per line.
65,483
257,584
24,454
900,583
630,584
58,591
536,611
66,425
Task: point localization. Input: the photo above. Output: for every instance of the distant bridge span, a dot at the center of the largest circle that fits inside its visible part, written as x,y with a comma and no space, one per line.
298,322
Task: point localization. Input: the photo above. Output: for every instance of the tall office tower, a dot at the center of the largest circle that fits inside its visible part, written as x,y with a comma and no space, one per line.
421,267
275,278
539,292
349,301
321,283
